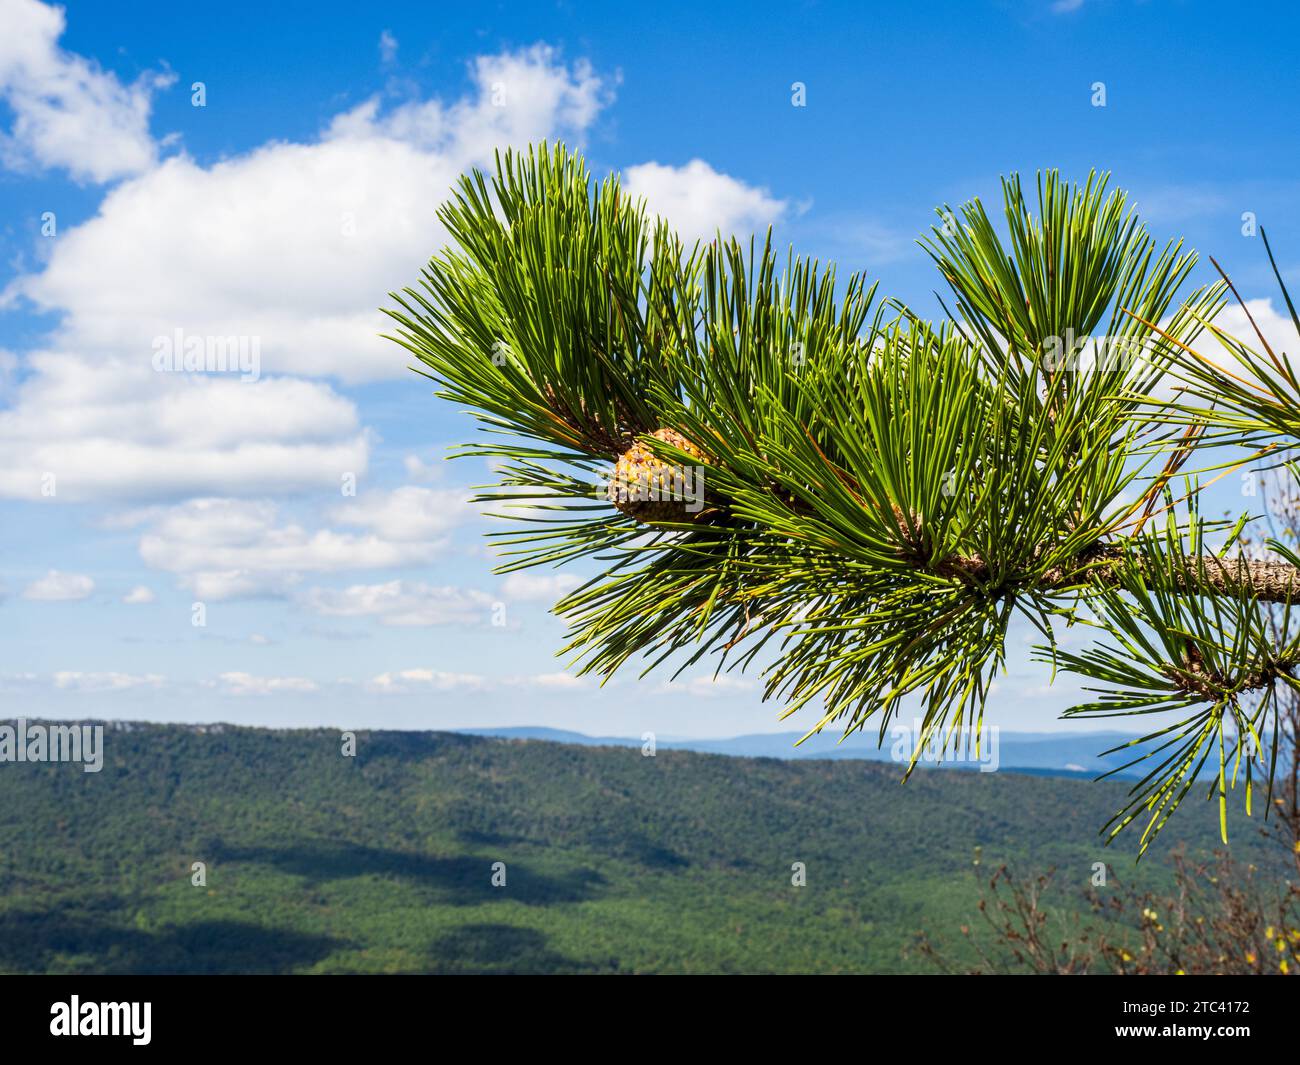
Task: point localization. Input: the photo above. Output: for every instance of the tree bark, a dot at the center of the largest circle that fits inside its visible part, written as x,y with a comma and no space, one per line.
1266,581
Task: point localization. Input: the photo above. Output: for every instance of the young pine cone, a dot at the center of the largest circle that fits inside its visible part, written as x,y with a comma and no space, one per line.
649,489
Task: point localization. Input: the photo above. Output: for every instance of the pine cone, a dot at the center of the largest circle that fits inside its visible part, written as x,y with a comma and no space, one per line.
648,489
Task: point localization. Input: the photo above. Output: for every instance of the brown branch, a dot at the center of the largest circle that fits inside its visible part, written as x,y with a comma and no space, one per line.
1269,582
1099,565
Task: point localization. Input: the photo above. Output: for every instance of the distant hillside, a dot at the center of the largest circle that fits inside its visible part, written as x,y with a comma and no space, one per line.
1067,754
614,861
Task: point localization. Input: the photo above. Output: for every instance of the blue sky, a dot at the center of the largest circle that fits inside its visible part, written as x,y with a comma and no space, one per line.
304,189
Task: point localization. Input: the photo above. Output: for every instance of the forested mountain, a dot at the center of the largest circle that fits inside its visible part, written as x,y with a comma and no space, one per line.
613,861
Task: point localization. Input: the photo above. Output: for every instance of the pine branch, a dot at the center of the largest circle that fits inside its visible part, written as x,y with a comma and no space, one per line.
884,496
1259,579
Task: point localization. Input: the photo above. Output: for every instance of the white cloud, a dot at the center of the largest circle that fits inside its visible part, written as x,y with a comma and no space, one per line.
138,595
402,603
407,513
246,684
408,681
8,371
212,586
1274,323
111,428
420,471
297,244
291,245
698,200
226,548
565,681
56,586
536,587
518,97
105,682
67,112
413,680
387,47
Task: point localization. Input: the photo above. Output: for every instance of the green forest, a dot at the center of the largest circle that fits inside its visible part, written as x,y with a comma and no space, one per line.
613,861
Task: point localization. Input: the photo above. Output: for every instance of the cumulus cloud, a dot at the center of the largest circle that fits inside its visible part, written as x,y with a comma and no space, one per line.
246,684
420,471
402,603
67,112
565,681
407,681
290,246
407,513
517,97
8,371
1273,322
114,429
56,587
699,201
138,595
296,244
227,548
538,587
105,682
410,681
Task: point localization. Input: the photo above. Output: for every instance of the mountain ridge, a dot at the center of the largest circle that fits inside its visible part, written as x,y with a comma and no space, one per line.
1056,753
386,859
